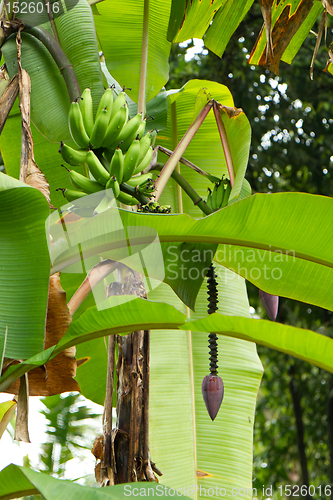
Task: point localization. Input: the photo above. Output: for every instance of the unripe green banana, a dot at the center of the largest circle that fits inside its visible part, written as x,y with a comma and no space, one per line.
129,132
117,165
226,194
119,101
86,106
145,143
153,137
115,127
114,185
141,129
96,168
139,179
209,199
73,156
106,102
76,126
71,194
145,162
99,130
81,182
219,194
127,199
131,159
214,193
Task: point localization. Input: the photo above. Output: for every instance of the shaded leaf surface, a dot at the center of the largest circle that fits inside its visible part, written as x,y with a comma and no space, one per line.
120,37
24,267
289,233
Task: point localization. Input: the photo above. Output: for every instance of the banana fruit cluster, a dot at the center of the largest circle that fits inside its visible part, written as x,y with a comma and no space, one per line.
113,147
219,196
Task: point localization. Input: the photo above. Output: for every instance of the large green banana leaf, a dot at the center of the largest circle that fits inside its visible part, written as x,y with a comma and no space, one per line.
24,267
187,446
291,21
119,29
77,37
206,150
51,119
46,155
156,109
303,344
16,481
93,324
219,19
281,242
49,95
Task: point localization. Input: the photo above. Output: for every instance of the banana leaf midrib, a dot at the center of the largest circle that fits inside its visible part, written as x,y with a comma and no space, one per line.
68,258
112,331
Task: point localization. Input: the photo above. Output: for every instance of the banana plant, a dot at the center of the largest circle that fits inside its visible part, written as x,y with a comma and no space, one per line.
195,455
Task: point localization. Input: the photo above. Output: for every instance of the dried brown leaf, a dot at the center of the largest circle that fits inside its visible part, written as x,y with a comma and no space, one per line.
328,5
30,173
266,10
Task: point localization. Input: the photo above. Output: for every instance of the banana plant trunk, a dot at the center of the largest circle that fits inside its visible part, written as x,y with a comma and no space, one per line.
126,447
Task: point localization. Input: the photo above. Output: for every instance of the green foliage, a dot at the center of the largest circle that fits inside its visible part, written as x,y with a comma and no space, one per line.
65,430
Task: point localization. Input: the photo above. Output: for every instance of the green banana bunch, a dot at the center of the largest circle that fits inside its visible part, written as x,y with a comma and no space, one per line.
219,196
115,127
129,132
84,130
112,146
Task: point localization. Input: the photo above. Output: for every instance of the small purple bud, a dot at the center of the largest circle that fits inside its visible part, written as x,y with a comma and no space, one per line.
270,303
212,391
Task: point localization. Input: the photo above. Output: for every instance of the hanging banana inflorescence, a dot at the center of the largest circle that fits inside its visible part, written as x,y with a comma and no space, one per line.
212,385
